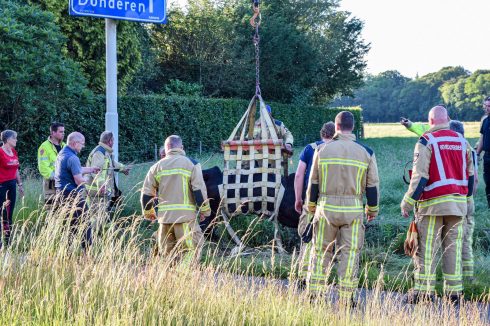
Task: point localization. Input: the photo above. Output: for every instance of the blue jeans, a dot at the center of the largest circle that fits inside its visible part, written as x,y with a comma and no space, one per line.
77,217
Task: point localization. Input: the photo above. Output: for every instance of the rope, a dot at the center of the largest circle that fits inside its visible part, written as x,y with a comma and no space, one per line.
252,167
255,22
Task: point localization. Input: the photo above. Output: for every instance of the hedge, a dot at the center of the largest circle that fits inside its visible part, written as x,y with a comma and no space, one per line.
149,119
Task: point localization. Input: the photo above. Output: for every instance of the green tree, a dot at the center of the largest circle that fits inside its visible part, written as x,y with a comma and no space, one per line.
193,47
85,43
388,96
309,50
378,97
37,83
465,95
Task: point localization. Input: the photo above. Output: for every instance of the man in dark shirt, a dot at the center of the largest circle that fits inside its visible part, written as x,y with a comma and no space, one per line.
69,183
484,145
300,184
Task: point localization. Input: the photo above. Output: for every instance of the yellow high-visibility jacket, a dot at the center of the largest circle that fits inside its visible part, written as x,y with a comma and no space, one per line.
46,158
418,128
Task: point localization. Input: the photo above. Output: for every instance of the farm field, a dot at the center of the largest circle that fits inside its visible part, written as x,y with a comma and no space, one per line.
120,282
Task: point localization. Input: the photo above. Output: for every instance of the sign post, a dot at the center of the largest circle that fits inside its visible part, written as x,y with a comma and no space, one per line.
111,116
145,11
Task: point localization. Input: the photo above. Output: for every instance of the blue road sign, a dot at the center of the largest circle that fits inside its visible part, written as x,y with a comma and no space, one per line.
147,11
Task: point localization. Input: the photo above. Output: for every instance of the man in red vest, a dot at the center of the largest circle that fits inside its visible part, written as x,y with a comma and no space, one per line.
441,188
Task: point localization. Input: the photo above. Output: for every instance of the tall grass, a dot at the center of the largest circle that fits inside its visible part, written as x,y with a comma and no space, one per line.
47,279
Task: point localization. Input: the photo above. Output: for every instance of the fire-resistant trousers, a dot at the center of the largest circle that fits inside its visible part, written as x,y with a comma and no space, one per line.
305,248
181,241
304,259
468,261
98,212
449,231
348,249
49,192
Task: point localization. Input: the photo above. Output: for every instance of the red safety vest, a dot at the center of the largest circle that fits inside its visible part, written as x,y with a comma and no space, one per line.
447,171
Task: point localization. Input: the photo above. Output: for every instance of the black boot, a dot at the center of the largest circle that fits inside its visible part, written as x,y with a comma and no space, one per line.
353,303
301,285
455,299
416,298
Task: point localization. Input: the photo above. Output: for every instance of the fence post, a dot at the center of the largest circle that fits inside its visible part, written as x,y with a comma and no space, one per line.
200,148
156,151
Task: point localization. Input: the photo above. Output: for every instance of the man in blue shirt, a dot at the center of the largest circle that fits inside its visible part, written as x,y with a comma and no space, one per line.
305,161
300,184
69,183
484,145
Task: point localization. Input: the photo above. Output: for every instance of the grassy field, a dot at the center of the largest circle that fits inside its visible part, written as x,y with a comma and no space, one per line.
44,281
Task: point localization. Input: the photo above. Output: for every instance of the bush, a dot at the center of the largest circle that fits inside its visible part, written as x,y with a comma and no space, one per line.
201,122
205,122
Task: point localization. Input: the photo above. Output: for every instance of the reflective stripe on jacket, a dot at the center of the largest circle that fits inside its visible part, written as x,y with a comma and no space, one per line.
440,194
343,169
101,157
173,180
447,167
46,158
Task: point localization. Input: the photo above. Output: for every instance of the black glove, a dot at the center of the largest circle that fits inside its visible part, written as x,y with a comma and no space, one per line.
308,234
204,224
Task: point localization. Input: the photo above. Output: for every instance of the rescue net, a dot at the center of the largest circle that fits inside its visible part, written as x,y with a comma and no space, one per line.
252,158
252,164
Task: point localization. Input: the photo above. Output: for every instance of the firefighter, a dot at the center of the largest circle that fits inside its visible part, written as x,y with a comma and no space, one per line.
343,171
46,158
282,132
102,189
177,182
442,186
469,222
300,184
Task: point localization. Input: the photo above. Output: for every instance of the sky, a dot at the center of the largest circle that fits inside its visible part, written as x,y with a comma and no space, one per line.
422,36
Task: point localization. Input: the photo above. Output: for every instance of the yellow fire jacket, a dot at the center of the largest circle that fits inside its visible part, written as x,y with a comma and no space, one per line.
282,132
175,180
101,157
451,204
343,171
